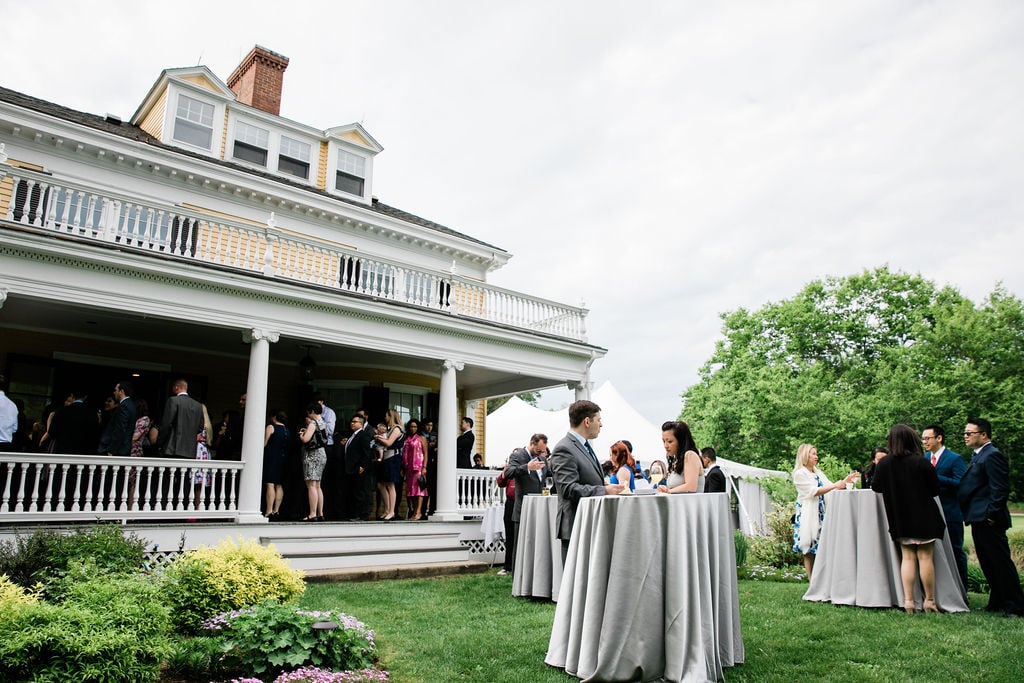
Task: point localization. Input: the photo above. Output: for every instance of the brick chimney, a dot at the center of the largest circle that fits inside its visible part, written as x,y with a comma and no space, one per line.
257,80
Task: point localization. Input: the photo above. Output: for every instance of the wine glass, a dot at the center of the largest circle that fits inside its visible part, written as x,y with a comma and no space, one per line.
656,478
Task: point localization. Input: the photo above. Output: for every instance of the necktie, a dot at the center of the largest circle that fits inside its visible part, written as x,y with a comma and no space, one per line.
593,456
935,459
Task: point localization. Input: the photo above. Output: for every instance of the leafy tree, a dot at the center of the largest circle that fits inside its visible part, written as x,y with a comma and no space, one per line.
530,397
846,358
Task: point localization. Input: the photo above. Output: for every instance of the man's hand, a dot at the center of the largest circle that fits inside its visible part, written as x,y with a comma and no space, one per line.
535,464
614,489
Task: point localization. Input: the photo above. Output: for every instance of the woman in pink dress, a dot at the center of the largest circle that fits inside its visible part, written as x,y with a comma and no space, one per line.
415,463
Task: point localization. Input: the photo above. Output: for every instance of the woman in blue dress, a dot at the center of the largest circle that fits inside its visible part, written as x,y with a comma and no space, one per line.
624,465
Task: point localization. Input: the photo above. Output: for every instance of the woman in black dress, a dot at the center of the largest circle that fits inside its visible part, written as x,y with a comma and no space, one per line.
909,485
275,446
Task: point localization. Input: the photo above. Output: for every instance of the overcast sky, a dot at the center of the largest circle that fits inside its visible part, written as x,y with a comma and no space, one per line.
662,162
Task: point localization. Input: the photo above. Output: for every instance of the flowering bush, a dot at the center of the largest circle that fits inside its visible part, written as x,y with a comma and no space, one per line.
311,674
762,573
207,581
269,638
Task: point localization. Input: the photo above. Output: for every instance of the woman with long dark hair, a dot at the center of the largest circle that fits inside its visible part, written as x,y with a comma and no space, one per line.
909,485
686,473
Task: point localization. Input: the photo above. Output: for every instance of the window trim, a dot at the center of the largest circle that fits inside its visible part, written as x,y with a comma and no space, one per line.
175,118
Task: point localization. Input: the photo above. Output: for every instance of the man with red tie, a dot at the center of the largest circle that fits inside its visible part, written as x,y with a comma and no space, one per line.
950,468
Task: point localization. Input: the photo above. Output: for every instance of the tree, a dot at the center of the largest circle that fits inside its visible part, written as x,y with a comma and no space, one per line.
530,397
846,358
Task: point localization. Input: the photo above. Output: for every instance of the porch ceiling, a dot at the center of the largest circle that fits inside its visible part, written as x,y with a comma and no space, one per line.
186,336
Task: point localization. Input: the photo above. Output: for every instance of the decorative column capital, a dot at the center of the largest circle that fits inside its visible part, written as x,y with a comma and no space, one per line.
455,365
3,296
257,334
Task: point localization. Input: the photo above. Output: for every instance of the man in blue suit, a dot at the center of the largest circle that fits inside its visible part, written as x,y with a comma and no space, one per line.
983,493
950,468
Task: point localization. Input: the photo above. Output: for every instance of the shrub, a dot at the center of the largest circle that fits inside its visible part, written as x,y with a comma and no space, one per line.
45,555
976,581
1015,537
194,658
741,547
314,675
208,581
109,628
775,549
270,638
12,594
781,575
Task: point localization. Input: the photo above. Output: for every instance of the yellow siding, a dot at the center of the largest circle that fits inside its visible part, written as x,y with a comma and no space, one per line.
469,299
202,82
321,171
221,214
355,137
224,135
154,121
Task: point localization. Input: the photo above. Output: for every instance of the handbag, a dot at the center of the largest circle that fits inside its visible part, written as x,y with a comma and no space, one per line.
421,481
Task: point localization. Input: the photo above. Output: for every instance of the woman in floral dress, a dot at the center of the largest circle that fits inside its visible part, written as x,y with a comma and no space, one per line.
811,487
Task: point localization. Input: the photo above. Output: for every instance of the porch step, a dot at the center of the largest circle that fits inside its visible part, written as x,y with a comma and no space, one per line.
395,572
367,546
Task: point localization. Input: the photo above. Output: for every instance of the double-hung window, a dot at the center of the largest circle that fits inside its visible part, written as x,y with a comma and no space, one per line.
251,143
193,122
351,175
294,158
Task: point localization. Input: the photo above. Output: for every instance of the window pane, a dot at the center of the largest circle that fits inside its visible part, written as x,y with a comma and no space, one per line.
294,149
349,183
352,164
193,133
257,137
299,169
195,111
250,153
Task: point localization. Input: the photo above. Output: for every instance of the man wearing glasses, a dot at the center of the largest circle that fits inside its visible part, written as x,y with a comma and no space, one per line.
983,493
950,468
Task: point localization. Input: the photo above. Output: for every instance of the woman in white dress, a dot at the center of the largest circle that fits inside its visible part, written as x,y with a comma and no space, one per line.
686,473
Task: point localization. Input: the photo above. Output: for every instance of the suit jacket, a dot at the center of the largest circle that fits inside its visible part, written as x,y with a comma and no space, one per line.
950,470
527,481
73,430
359,451
464,449
714,480
985,487
576,476
117,437
180,424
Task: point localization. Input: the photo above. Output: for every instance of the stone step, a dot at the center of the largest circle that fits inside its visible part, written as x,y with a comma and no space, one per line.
403,571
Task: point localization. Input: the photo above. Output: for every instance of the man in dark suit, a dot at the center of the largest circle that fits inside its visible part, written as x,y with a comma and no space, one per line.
529,467
983,492
117,436
358,457
575,467
464,444
950,468
180,424
73,428
714,477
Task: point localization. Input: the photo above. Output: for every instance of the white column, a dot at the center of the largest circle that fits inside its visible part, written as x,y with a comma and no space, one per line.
448,427
254,427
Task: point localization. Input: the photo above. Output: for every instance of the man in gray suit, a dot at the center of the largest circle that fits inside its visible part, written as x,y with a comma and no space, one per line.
181,423
529,467
576,470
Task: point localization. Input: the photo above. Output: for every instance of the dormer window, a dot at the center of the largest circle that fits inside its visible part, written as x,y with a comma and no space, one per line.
251,143
351,175
294,158
193,122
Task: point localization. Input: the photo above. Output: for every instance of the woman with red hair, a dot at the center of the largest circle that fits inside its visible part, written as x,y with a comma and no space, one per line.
622,459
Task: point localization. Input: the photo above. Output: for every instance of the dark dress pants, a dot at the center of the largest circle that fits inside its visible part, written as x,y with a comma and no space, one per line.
511,530
993,552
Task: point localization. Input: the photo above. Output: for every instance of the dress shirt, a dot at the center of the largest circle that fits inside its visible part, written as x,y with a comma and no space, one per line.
8,419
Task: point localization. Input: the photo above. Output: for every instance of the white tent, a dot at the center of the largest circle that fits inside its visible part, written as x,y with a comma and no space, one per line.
510,427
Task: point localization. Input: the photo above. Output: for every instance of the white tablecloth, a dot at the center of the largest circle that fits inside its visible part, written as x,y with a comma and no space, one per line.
493,526
858,564
649,590
538,568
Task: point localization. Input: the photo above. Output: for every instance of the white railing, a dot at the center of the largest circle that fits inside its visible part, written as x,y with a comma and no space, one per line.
76,210
476,490
42,487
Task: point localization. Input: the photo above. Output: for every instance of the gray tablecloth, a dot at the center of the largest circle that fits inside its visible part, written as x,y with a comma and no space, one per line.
858,564
649,590
538,568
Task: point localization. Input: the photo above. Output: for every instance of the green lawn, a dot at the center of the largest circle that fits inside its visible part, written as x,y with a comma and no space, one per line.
469,628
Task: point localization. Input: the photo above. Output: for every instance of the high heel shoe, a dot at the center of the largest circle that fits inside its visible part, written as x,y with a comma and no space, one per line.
930,606
311,518
909,607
